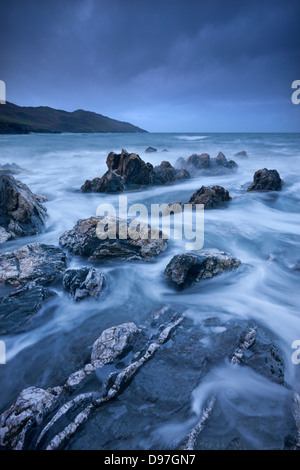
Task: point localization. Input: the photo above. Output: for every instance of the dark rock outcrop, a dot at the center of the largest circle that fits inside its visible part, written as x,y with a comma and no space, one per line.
83,282
110,182
11,169
21,213
187,268
84,240
266,180
34,262
150,149
210,197
204,165
18,308
127,170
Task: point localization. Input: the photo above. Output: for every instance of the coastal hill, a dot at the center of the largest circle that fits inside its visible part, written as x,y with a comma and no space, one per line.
23,120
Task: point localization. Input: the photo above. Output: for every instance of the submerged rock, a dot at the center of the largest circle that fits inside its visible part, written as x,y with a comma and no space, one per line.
266,180
150,149
83,240
11,169
187,268
165,173
242,154
110,182
83,282
33,262
21,213
210,197
19,307
205,165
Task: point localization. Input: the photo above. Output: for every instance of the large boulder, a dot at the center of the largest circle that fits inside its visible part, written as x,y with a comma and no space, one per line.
84,240
243,154
21,213
187,268
83,282
110,182
18,308
210,197
266,180
131,167
165,173
34,262
205,165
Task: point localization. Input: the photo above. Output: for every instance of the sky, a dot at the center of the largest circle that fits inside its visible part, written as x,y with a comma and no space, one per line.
164,65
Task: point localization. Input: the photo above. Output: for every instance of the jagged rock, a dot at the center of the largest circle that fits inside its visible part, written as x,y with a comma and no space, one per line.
83,240
110,182
11,169
131,167
187,268
83,282
21,213
29,409
41,198
128,169
210,197
266,180
204,165
34,262
150,149
165,173
242,154
19,307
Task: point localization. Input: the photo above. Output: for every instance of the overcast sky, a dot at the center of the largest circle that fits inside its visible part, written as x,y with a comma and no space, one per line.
164,65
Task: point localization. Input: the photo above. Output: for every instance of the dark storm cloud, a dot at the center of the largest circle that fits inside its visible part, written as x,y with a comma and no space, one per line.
165,65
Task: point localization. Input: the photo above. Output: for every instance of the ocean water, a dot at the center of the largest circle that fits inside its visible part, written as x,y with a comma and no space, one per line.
261,229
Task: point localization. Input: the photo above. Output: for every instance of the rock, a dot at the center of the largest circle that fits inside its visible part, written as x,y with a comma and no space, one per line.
131,167
83,240
266,180
204,165
83,282
11,169
19,307
210,197
21,213
110,182
113,342
187,268
29,409
150,149
34,262
41,198
242,154
165,150
165,173
4,235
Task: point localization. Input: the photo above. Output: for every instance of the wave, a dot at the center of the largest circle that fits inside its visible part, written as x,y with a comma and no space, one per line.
191,138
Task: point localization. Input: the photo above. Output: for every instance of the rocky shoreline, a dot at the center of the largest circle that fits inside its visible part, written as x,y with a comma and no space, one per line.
37,418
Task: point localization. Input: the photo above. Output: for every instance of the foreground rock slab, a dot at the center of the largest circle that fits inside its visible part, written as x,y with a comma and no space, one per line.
83,240
33,262
83,282
266,180
187,268
21,213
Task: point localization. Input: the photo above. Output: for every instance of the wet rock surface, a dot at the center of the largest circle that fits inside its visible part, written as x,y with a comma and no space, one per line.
11,169
243,154
21,213
266,180
33,262
127,170
83,240
210,197
205,165
185,269
19,308
84,282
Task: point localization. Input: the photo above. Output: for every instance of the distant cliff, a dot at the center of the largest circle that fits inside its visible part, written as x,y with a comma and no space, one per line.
23,120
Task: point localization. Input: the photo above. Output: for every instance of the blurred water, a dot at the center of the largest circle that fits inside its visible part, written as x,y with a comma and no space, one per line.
262,229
